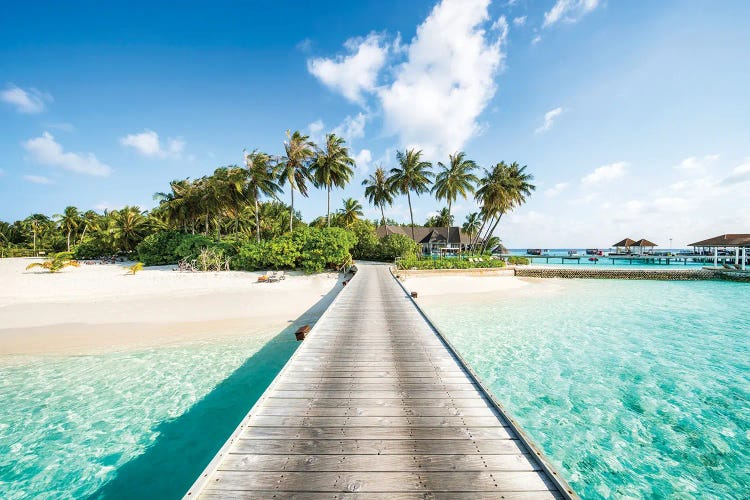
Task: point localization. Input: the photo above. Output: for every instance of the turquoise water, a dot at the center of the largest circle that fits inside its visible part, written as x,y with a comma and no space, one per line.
127,424
632,388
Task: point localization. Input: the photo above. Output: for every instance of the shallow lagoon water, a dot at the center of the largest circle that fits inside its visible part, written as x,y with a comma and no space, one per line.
139,424
632,388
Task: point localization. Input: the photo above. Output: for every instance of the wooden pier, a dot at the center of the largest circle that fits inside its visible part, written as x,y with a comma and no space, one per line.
376,404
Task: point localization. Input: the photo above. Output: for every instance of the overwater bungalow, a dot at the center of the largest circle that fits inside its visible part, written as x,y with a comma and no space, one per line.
644,246
725,245
434,240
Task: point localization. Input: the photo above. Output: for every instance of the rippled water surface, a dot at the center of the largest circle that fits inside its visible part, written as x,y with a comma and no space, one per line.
632,388
129,424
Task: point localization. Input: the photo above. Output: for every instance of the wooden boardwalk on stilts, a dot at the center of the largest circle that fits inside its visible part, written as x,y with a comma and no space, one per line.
375,404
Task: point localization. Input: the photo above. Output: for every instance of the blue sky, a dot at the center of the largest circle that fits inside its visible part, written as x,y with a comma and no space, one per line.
633,116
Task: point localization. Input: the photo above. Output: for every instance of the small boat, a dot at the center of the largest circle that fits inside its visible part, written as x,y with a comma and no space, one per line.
594,259
534,251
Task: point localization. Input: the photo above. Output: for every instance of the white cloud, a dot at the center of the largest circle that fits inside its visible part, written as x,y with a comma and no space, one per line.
37,179
556,189
549,120
568,11
606,173
147,143
694,163
363,160
739,174
46,151
355,73
26,101
447,79
536,40
519,21
352,127
316,131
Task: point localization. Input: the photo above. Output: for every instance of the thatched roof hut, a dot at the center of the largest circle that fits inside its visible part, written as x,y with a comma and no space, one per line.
626,243
643,243
725,240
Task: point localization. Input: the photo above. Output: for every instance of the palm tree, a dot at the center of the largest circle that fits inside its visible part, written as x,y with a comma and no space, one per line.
502,189
412,174
37,223
472,224
442,219
89,221
351,212
69,221
261,181
332,167
298,151
55,263
378,191
455,179
127,227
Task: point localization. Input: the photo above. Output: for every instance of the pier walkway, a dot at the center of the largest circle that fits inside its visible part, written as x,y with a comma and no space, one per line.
375,404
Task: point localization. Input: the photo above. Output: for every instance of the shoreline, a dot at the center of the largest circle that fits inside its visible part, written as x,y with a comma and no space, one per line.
96,309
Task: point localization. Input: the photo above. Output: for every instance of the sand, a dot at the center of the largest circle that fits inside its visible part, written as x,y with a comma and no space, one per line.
98,307
442,289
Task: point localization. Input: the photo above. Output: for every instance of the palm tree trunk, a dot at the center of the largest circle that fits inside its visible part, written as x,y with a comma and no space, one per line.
329,206
411,216
448,228
481,228
34,241
83,233
382,214
489,235
291,210
257,218
206,232
68,240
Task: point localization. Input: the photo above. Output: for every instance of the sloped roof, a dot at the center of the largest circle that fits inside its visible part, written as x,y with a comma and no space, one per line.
424,234
725,240
643,242
627,242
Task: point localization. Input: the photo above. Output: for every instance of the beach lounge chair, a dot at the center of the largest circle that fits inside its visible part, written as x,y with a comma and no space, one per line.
282,275
274,277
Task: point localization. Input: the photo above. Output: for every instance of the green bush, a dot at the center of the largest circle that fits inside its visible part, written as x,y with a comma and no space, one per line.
324,248
518,261
92,248
160,248
417,263
190,246
368,245
397,245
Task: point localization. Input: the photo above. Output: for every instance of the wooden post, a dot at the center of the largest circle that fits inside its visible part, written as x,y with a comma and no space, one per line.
716,256
744,257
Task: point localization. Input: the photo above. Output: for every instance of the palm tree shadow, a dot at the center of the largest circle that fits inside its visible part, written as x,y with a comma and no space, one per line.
186,444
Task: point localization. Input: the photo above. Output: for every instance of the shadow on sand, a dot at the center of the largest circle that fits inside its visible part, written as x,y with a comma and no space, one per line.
187,443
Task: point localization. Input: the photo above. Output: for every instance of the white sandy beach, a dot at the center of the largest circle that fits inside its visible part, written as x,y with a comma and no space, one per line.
98,307
442,288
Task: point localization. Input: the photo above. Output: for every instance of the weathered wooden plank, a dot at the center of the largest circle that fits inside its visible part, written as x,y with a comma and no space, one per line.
380,411
361,421
378,446
394,495
435,385
376,394
382,463
376,433
323,402
378,481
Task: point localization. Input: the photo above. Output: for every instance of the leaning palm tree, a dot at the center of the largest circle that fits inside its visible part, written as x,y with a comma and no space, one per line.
502,189
298,151
332,167
378,191
69,221
412,174
89,222
455,179
261,181
37,224
351,212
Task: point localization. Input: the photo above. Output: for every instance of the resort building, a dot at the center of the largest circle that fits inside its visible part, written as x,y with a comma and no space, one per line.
725,245
433,240
629,246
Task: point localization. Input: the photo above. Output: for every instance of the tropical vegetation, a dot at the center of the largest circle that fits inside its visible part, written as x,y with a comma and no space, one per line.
235,217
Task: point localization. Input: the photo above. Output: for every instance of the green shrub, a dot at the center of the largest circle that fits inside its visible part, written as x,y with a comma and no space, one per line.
397,245
417,263
92,248
252,256
368,245
324,248
518,261
190,245
160,248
